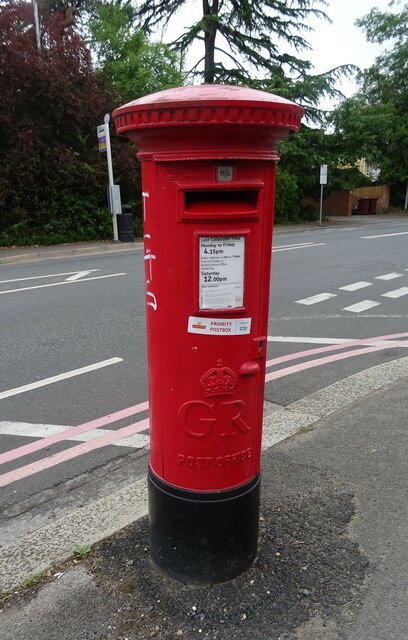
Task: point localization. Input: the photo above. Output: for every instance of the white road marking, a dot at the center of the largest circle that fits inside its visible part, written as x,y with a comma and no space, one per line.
306,340
320,297
385,235
62,376
362,306
77,276
296,244
29,430
389,276
57,284
396,293
50,275
356,285
309,246
343,316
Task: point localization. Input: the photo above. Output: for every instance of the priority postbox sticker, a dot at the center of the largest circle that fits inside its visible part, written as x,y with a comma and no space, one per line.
219,326
222,272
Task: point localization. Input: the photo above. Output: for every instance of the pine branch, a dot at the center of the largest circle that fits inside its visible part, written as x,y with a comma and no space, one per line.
235,60
153,13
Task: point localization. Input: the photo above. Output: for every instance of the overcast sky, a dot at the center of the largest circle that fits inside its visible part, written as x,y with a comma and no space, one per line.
332,44
342,42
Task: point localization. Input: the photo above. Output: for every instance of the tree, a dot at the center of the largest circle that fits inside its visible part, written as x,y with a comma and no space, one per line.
252,36
301,158
69,13
128,66
386,83
52,182
374,123
127,62
52,179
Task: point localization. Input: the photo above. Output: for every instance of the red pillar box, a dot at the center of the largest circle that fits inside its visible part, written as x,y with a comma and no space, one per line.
208,157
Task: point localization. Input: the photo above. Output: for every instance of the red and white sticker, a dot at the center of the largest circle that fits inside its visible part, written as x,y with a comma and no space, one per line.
219,326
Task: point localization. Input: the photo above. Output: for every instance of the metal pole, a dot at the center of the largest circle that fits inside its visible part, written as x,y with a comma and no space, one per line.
110,171
36,24
321,205
406,198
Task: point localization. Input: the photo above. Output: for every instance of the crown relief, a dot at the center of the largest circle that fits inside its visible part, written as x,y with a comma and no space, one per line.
219,381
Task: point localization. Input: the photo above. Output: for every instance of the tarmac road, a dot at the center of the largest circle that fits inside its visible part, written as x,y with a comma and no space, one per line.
341,474
73,340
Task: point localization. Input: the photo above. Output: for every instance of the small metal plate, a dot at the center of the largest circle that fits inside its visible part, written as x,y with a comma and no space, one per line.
225,173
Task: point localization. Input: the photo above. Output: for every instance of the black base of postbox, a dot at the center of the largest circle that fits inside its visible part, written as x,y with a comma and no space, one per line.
203,537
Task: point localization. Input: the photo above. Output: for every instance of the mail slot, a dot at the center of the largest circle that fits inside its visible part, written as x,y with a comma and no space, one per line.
234,202
208,157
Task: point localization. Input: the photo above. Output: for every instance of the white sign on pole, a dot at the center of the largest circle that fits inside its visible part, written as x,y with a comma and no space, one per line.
114,200
323,174
113,194
101,133
222,261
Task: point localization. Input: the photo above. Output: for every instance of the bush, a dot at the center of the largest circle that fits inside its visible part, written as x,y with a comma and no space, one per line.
287,207
138,227
94,225
52,179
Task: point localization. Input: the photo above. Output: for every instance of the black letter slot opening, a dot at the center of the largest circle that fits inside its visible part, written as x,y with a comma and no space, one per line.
218,203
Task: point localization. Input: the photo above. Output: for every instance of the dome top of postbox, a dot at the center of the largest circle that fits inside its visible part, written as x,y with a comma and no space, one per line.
208,104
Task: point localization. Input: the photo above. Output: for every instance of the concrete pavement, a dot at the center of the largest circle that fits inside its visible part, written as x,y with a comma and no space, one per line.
332,562
13,255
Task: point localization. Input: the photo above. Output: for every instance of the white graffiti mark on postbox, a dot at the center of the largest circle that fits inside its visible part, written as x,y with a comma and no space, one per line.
199,420
149,256
145,194
153,302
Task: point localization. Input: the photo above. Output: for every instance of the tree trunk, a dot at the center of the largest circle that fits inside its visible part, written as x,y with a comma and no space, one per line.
406,198
209,40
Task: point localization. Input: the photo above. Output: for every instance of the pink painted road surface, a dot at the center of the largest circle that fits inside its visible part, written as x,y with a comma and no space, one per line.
69,433
117,435
318,362
73,452
336,347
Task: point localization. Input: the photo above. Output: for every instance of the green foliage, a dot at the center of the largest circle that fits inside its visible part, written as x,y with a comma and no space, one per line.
302,154
95,225
138,227
380,26
374,123
308,89
82,550
286,197
301,158
52,179
33,580
127,61
5,596
362,130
